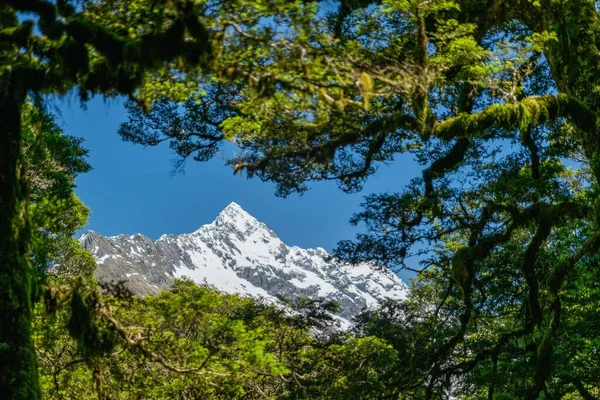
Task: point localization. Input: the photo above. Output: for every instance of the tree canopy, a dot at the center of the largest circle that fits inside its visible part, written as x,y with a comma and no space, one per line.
496,100
52,47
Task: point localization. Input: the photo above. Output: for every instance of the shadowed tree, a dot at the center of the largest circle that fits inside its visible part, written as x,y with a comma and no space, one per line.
57,50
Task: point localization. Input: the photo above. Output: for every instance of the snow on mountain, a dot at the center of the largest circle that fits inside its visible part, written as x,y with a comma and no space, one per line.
238,254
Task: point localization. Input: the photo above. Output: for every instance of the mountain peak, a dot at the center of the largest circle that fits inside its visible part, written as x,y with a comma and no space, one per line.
233,207
235,216
238,254
235,211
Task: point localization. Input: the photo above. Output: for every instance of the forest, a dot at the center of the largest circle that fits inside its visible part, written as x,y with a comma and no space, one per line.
498,101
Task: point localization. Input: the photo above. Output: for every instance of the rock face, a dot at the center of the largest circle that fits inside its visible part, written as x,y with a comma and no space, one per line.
238,254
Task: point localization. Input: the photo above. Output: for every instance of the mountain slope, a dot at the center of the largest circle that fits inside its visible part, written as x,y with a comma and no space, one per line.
238,254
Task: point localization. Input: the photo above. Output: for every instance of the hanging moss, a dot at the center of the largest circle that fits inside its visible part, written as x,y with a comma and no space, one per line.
93,337
460,272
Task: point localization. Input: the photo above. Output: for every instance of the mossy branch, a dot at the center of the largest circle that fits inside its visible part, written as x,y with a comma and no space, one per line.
463,262
522,115
528,269
555,282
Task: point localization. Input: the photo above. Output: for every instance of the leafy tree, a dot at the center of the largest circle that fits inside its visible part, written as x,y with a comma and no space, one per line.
64,270
497,101
52,161
186,342
60,49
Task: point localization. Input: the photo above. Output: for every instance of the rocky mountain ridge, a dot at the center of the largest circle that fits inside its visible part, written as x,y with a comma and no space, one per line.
238,254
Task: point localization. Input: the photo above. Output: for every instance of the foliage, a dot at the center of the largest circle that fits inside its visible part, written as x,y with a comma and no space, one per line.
53,47
498,101
194,342
52,162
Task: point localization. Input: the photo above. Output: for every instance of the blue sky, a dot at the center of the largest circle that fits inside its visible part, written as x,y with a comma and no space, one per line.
130,188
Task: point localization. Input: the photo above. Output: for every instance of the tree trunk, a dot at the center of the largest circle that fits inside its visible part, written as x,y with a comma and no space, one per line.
18,364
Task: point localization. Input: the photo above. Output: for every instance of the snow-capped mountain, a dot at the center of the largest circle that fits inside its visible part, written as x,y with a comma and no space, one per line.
238,254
